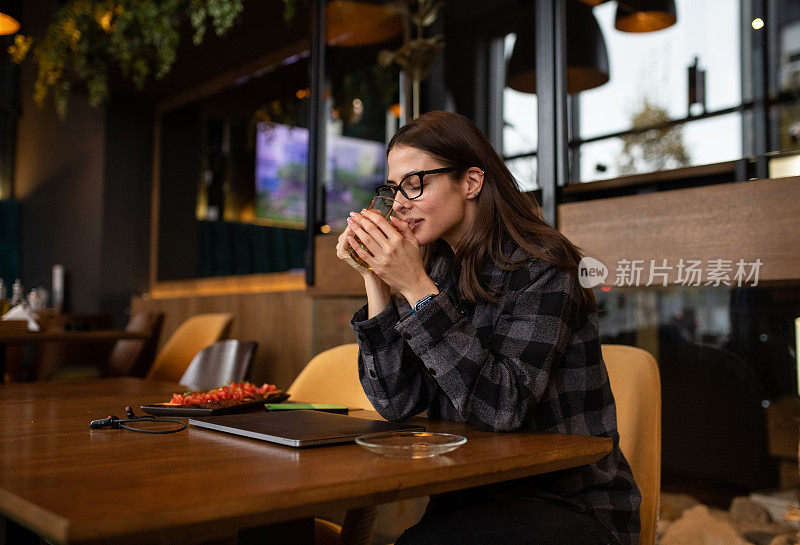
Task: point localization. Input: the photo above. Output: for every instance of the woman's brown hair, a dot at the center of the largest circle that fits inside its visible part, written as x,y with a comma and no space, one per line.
503,210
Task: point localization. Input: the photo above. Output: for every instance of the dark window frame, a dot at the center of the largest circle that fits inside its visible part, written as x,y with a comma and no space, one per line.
758,56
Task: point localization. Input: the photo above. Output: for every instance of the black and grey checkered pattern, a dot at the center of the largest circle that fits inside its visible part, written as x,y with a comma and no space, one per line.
531,360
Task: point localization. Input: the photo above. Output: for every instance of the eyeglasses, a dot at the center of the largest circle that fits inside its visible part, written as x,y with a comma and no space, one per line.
411,184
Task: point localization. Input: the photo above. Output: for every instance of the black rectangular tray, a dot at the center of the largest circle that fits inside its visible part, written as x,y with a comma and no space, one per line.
160,410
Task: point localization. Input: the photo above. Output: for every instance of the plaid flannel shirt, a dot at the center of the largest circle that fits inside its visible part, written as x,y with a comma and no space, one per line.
530,360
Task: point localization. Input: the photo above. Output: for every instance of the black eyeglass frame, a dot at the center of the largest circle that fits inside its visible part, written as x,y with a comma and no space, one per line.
421,174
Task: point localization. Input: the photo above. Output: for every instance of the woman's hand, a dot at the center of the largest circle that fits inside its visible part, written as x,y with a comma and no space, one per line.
392,251
378,293
341,252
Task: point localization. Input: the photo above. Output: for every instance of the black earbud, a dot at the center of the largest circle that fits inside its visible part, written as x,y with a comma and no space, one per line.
110,422
132,415
116,423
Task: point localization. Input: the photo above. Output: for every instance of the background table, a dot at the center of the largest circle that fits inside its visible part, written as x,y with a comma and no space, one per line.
33,337
19,335
76,485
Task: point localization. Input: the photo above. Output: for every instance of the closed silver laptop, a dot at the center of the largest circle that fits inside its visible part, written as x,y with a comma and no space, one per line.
298,428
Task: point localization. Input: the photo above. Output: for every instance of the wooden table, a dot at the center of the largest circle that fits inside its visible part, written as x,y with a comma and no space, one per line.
99,335
71,484
24,337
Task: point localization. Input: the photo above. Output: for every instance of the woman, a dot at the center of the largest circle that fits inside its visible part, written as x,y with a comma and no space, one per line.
495,330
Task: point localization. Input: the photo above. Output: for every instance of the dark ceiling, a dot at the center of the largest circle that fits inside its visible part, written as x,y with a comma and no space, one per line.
261,29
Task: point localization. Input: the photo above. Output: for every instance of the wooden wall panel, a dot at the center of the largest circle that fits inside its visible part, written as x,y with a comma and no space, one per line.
747,220
290,327
279,321
331,275
331,321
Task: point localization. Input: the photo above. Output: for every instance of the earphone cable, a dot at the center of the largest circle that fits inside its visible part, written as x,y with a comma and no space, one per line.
121,423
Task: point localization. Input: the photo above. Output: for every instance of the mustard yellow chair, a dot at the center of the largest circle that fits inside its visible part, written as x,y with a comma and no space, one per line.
332,377
636,385
191,337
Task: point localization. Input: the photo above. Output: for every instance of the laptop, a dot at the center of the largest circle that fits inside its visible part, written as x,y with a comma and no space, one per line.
299,428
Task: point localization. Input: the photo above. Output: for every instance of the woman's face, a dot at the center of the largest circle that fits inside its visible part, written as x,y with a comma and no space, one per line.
444,210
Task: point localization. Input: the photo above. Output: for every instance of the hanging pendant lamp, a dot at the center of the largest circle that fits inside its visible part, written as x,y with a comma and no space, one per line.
8,24
587,58
354,23
521,68
645,15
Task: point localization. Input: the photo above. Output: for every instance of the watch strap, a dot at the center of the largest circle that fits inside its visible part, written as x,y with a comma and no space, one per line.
422,302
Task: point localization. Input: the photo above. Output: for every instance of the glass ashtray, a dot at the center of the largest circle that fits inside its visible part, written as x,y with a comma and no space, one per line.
410,444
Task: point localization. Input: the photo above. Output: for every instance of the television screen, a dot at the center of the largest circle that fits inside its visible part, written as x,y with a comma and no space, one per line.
353,168
281,159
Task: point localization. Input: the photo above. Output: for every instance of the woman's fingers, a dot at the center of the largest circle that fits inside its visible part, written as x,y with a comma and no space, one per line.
358,249
342,245
362,238
388,246
404,229
367,232
378,220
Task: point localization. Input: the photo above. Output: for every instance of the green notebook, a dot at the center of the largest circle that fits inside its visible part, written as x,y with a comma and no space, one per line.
326,407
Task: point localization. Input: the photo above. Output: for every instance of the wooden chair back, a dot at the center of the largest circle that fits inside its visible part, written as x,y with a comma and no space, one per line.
636,385
190,338
134,357
222,362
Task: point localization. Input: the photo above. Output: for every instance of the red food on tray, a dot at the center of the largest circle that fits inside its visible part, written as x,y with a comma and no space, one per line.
234,397
231,393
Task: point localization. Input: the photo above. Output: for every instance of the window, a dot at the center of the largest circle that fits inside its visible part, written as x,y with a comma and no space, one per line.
520,134
786,113
362,113
233,177
649,85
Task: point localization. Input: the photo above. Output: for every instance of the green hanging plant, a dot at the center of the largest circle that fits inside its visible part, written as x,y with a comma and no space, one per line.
87,38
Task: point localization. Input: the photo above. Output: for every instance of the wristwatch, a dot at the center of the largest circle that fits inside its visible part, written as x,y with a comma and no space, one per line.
422,302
